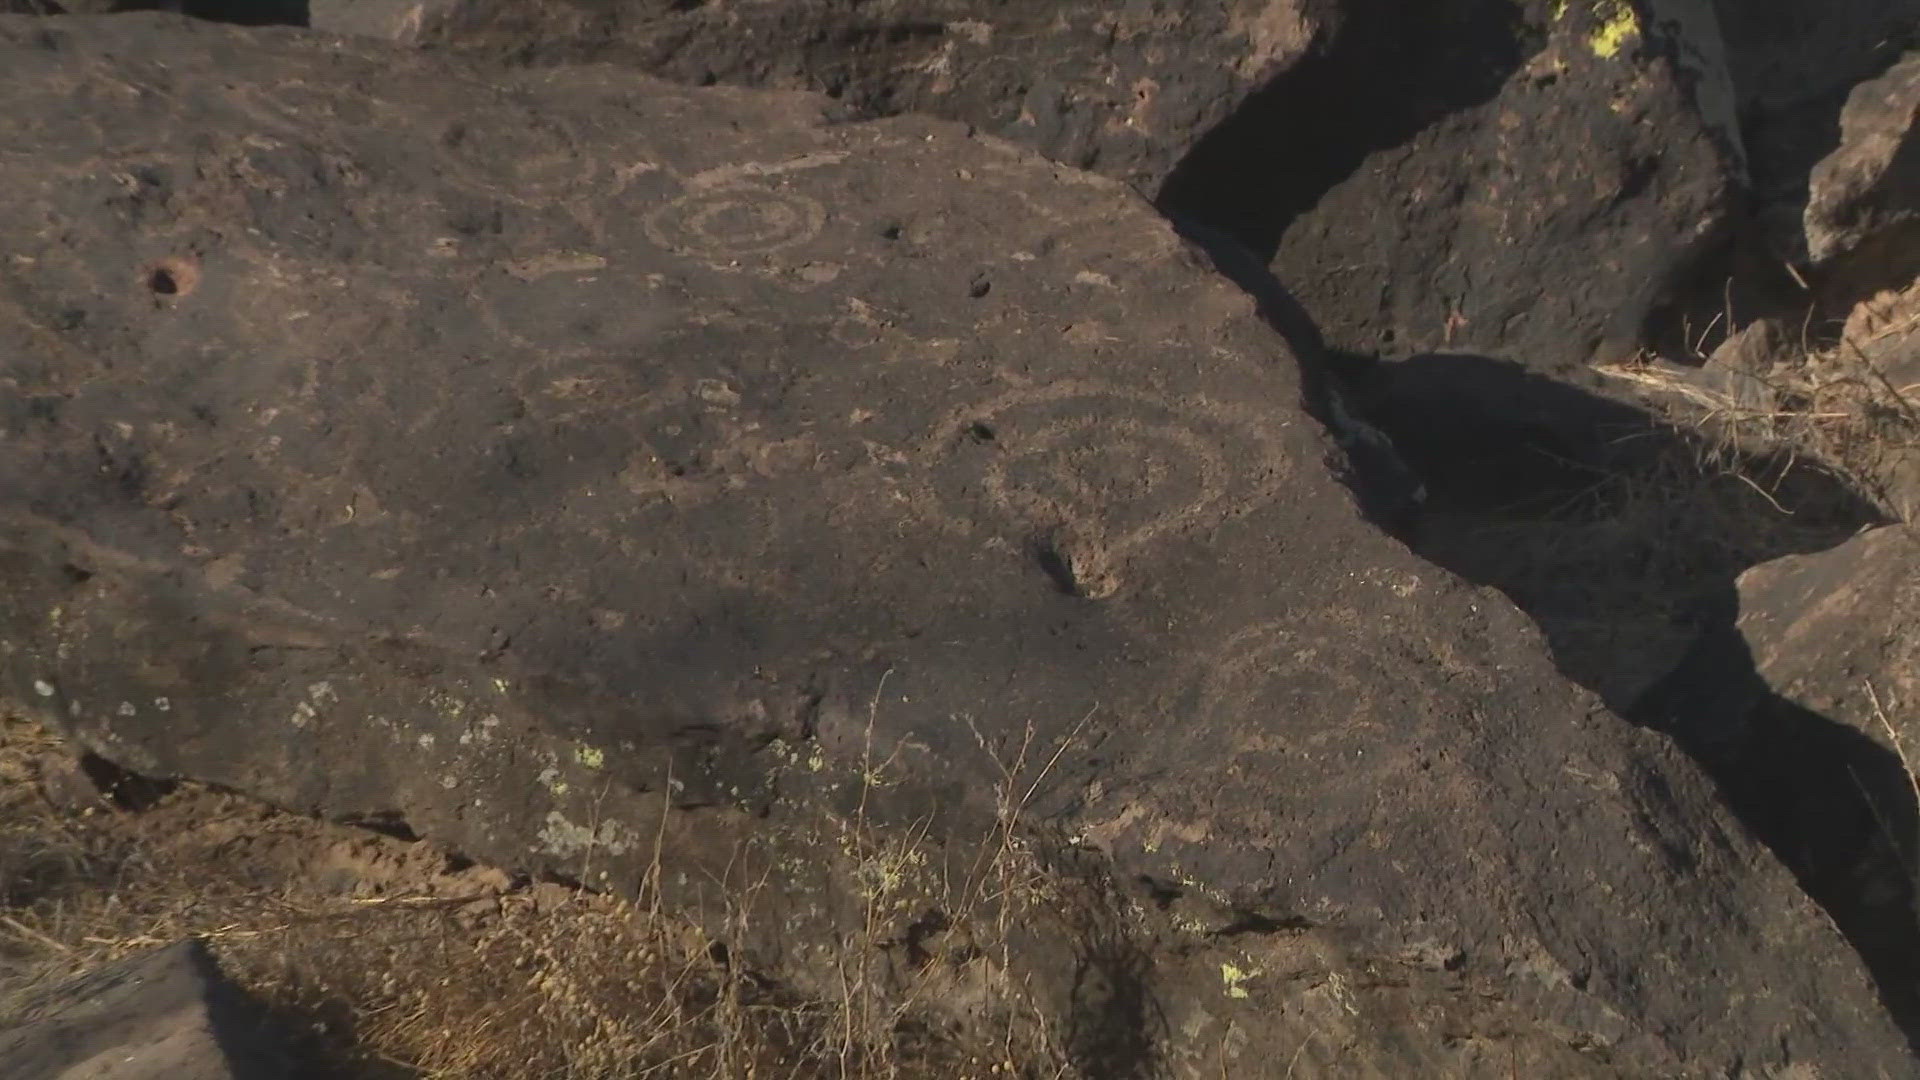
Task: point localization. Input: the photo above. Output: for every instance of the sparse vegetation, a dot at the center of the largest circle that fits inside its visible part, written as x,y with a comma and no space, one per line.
393,958
1835,404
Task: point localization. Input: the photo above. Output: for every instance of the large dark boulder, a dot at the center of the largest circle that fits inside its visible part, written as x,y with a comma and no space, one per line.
1122,89
689,490
1529,181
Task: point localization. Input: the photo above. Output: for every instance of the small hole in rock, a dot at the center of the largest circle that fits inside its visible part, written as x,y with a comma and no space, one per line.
980,287
172,277
979,432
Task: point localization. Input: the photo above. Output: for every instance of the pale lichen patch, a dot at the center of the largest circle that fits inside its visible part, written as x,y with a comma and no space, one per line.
562,837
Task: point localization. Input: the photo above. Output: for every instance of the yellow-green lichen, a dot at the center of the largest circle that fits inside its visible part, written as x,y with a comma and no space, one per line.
1235,978
1618,25
591,757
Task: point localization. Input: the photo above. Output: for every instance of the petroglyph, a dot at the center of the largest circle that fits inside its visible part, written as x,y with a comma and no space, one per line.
729,222
1296,686
525,158
1098,471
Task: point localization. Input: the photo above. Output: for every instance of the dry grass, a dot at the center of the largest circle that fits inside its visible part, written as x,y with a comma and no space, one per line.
1852,406
396,959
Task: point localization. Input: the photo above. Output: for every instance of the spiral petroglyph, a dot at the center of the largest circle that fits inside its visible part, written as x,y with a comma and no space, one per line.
1099,471
736,220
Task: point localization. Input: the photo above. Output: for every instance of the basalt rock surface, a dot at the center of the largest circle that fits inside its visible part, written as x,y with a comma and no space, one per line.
1121,89
671,488
1530,182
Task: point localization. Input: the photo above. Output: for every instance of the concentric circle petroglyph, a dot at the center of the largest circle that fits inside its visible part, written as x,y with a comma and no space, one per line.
1292,688
1105,469
736,220
526,158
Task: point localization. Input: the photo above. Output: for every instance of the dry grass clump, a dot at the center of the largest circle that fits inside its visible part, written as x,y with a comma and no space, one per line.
1851,406
393,958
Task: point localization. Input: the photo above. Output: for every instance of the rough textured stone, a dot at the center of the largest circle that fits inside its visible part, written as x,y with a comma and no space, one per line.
1521,181
1122,89
1839,632
1834,640
1865,198
1881,340
643,484
1793,65
167,1014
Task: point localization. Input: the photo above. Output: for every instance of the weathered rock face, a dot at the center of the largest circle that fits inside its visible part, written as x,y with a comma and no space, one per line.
638,482
1122,89
1839,632
1520,181
166,1014
1834,640
1792,67
1882,338
1864,202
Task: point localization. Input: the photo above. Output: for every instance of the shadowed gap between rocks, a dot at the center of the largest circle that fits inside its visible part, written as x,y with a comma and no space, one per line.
238,12
1393,69
1621,537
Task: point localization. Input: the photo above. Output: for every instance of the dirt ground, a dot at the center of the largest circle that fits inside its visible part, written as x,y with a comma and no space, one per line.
388,957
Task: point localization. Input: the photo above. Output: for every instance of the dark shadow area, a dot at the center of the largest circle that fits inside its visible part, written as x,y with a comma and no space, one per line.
238,12
1388,492
1392,68
1835,806
1793,67
1114,1025
1614,530
126,790
1621,536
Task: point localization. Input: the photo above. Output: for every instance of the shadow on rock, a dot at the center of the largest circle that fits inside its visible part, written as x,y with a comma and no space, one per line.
1394,69
1386,490
1835,806
238,12
1114,1025
1622,537
1614,530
